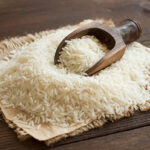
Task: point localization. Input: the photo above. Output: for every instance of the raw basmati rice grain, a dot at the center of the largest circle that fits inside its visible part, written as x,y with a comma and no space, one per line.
62,95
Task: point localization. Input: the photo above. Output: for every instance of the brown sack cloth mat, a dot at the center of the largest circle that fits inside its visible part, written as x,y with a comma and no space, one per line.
46,133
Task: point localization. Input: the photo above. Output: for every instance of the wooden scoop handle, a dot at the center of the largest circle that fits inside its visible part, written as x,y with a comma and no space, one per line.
130,32
115,39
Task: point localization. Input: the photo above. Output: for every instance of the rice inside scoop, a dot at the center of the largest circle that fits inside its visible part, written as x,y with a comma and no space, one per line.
82,53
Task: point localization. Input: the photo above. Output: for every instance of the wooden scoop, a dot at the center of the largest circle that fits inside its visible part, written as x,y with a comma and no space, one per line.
114,38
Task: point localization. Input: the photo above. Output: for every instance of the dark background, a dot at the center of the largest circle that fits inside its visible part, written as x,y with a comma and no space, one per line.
19,17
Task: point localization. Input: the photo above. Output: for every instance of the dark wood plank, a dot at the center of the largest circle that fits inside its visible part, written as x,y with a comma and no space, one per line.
136,121
137,139
21,17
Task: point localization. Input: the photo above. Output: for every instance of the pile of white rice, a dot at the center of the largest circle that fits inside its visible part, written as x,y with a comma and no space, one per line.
62,95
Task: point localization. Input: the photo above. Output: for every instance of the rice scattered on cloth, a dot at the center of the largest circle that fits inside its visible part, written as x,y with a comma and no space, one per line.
58,100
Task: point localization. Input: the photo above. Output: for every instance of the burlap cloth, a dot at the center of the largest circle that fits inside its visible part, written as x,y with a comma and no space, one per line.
46,133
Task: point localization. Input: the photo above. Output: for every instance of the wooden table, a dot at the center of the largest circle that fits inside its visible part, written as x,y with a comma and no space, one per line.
18,17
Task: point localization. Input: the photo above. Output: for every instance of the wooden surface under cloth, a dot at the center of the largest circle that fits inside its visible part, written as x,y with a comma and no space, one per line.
18,17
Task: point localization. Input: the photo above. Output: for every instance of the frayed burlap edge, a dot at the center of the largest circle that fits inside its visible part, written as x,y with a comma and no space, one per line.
15,43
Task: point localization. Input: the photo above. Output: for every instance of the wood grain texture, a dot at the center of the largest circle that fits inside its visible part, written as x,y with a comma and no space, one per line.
21,17
129,140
